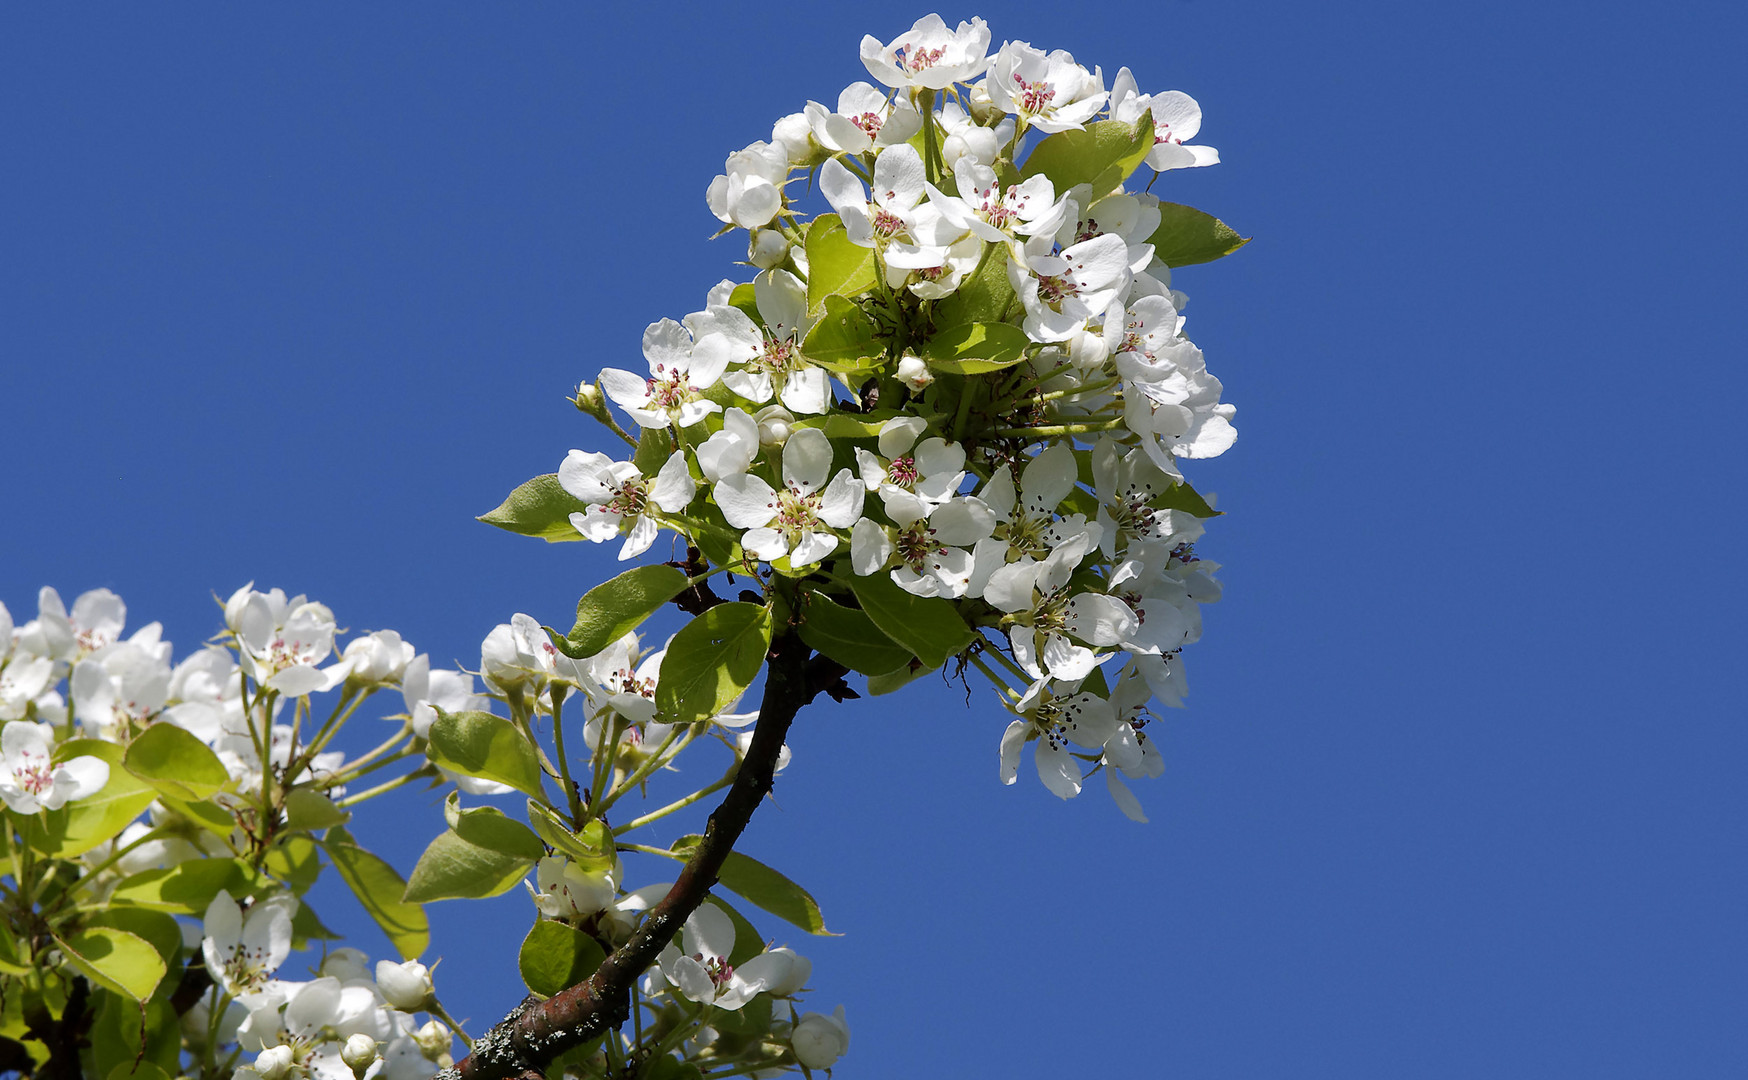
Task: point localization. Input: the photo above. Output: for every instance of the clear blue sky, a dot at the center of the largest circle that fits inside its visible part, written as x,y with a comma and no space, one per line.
290,294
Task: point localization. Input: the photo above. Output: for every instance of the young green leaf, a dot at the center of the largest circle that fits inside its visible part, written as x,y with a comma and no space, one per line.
762,886
615,607
1103,154
843,340
712,660
538,508
80,826
454,868
159,928
186,888
834,264
976,348
896,679
379,888
556,955
489,747
489,827
176,763
115,960
1186,236
849,637
593,850
983,297
928,626
307,808
1181,496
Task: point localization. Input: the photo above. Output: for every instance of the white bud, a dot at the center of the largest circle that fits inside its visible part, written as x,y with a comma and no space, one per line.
820,1040
433,1039
274,1063
346,964
406,987
767,248
774,424
790,976
359,1054
795,136
913,373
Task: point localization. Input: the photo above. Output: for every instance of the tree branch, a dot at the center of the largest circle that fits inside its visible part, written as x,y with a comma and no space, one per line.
536,1032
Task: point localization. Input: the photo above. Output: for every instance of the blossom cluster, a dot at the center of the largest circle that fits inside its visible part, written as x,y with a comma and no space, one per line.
970,376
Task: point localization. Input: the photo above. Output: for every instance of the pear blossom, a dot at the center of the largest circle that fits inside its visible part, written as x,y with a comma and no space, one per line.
914,373
283,641
933,543
892,219
1048,91
29,779
929,56
620,497
380,657
732,449
1176,119
749,193
795,521
968,141
1050,620
996,213
906,470
569,893
793,135
700,969
518,654
1062,291
1026,523
405,986
673,394
819,1040
1134,218
864,119
21,681
766,359
242,954
1054,720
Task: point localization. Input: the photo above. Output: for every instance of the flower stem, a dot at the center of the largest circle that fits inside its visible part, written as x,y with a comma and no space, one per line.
1052,430
677,804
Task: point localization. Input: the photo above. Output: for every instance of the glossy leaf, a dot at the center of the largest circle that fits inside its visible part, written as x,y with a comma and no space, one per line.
983,297
835,266
849,636
976,348
618,606
928,626
843,340
296,861
557,955
81,825
158,928
1187,236
762,886
380,889
176,763
453,868
186,888
489,747
1102,154
116,960
538,508
593,850
489,827
711,661
1183,497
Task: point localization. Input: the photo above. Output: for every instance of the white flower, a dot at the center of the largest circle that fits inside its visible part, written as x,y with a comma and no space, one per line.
702,972
793,135
934,541
1054,722
775,424
796,520
274,1063
425,691
864,119
29,781
381,657
996,213
1050,621
571,894
928,55
733,449
1127,484
1176,119
21,680
1062,291
1047,91
750,191
1171,401
242,955
1134,218
914,373
673,394
893,223
405,986
767,248
969,141
767,360
283,641
620,497
1026,519
819,1040
929,471
519,652
359,1054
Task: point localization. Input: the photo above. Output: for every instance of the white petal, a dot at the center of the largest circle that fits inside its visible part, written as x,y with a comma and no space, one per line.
1058,769
709,931
807,460
900,434
673,487
1012,741
870,547
637,541
841,503
1100,620
1123,797
746,500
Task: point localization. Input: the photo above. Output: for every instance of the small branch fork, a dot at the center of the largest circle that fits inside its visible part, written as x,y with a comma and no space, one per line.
536,1032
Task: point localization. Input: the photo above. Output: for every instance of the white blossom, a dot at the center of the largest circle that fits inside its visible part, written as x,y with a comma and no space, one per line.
620,497
1176,119
673,394
797,520
29,778
928,55
1048,91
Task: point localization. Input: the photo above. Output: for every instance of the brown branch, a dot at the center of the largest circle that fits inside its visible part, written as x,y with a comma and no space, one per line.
536,1032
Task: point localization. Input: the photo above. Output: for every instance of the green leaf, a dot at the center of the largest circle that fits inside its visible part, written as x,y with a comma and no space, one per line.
1181,496
295,861
1186,236
80,826
146,1070
849,636
928,626
1103,155
158,928
176,763
379,888
116,960
654,447
593,850
983,297
538,508
307,808
746,298
306,926
489,747
186,888
711,661
453,868
843,340
557,955
615,607
834,265
893,680
488,827
975,348
760,885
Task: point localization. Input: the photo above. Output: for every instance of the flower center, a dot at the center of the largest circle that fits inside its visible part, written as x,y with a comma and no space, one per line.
721,972
913,59
669,388
1035,97
629,498
1057,288
902,472
888,224
917,545
869,122
797,512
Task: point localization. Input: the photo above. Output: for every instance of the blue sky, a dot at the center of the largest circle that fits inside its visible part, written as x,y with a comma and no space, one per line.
290,295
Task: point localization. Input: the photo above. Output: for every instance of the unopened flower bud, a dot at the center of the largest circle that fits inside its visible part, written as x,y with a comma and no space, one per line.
767,248
406,987
794,135
359,1054
274,1063
774,425
913,373
819,1040
589,399
982,109
433,1039
346,964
